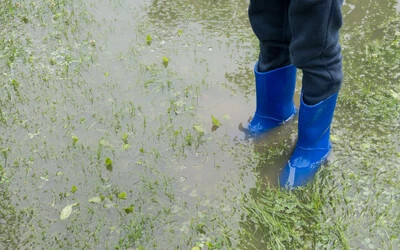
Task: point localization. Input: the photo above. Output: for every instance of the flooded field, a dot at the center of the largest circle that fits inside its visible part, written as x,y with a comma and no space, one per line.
119,129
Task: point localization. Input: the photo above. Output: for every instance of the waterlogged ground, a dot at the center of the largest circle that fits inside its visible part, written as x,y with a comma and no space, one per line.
107,139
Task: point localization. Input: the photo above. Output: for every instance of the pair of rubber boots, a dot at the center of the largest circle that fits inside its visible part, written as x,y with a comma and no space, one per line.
275,106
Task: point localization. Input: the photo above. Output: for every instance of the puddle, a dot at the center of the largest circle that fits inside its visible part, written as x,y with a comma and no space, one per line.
107,105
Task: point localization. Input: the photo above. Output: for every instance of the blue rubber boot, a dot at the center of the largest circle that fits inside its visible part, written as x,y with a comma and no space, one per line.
313,144
274,95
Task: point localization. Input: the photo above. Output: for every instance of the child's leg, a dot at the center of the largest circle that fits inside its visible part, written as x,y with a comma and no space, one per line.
315,46
270,23
275,76
315,49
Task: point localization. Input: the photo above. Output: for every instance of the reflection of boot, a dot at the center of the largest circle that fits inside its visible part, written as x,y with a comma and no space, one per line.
274,94
313,144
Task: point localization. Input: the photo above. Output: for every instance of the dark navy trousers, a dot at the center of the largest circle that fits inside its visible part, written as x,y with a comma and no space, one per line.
304,33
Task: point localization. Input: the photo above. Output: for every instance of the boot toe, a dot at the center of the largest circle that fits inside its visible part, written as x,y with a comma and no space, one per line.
302,167
260,125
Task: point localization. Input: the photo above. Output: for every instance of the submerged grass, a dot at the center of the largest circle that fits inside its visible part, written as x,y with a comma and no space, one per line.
96,131
278,220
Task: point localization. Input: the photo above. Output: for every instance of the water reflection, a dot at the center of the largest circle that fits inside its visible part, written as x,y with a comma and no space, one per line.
225,16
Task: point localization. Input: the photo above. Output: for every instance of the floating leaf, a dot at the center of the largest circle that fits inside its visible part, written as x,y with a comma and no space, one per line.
165,61
209,245
108,163
215,121
95,200
227,117
45,178
129,209
15,84
109,205
125,138
149,39
126,146
66,212
104,143
198,129
122,196
75,140
74,189
195,248
179,32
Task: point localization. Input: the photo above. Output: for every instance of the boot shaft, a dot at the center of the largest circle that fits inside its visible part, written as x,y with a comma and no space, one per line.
314,123
274,92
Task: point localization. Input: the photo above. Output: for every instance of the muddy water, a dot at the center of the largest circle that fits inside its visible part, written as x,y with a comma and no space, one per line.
117,100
